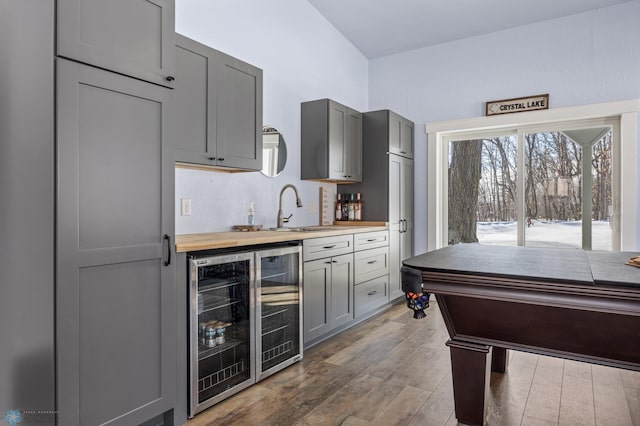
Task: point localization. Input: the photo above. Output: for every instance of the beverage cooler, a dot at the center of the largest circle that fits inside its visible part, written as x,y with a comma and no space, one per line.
244,322
279,309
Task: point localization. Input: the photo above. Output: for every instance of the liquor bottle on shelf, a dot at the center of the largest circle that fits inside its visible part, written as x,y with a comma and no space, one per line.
338,207
345,207
352,207
358,207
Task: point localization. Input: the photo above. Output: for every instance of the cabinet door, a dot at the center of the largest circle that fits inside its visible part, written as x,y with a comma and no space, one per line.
338,118
132,37
395,285
238,113
395,123
400,218
342,276
195,103
317,298
353,147
406,209
406,138
400,135
395,195
115,281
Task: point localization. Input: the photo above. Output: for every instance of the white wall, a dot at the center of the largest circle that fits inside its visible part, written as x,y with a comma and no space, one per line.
581,59
303,58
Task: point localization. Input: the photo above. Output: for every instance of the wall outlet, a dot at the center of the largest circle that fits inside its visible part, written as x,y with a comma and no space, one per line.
185,206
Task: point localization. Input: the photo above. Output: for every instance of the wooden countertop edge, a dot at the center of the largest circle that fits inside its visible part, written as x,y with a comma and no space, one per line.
216,240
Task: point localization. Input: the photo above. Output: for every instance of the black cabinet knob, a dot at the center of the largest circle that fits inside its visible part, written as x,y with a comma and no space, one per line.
170,78
211,158
220,159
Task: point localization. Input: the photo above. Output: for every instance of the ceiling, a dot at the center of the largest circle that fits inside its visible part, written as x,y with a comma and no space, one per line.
383,27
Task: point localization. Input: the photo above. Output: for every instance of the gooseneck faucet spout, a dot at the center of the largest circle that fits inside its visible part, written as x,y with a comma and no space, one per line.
281,219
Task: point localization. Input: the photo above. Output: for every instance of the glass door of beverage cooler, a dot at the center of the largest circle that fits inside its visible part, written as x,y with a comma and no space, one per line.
278,309
221,328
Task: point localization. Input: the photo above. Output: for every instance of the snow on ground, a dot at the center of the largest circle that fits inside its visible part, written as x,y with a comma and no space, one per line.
546,234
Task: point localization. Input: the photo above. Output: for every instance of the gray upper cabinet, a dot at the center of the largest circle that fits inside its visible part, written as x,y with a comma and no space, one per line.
115,291
331,142
387,186
219,108
131,37
400,135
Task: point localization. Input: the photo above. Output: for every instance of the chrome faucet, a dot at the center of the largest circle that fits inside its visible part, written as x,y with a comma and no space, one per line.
281,219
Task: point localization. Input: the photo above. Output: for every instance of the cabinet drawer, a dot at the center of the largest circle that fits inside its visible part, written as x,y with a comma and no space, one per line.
317,248
370,295
369,240
371,264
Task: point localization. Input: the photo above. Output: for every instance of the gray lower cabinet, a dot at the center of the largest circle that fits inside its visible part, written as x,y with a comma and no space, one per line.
345,278
331,142
328,272
130,37
371,260
328,295
387,185
115,291
219,108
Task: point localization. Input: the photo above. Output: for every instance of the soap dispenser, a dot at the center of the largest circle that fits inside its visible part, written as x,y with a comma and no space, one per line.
251,214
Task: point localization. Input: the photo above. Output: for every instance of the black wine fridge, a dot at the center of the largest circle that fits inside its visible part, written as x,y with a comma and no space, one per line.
245,320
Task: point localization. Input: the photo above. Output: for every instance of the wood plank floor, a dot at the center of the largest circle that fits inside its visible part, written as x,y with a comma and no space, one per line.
394,370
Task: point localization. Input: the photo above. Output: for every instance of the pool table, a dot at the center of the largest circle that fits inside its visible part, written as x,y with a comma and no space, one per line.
574,304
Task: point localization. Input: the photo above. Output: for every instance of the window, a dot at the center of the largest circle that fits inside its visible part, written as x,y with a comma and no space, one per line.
544,178
565,199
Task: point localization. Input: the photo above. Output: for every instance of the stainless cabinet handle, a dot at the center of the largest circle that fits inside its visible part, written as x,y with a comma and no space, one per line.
167,238
329,247
371,293
371,262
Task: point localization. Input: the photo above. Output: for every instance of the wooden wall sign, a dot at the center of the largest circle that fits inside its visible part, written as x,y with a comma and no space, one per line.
507,106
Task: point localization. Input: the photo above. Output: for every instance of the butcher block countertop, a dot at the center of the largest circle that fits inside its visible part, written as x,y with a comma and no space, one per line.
216,240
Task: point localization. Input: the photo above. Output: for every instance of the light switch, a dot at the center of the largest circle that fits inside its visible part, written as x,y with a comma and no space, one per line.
185,206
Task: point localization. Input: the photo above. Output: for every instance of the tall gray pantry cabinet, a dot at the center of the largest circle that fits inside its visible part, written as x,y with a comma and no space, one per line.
387,184
115,280
111,176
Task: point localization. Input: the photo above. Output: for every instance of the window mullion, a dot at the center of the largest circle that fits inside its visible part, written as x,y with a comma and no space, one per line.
520,196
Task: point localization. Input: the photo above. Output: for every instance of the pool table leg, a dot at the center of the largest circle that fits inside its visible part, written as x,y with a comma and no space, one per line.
471,371
499,359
